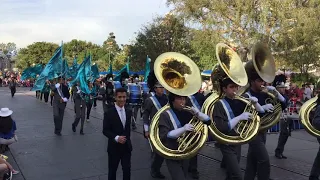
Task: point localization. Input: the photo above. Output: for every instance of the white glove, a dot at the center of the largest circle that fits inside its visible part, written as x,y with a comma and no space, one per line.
57,85
79,91
268,108
174,134
244,116
280,97
203,117
271,88
253,99
65,99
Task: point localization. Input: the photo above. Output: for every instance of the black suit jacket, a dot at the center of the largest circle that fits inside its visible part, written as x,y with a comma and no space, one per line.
112,126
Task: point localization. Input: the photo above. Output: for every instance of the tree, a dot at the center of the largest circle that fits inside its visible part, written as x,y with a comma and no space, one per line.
38,52
240,23
11,46
163,34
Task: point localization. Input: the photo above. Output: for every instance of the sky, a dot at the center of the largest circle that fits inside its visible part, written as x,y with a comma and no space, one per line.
26,21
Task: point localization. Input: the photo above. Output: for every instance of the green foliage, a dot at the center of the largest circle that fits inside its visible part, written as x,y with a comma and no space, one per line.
167,34
8,47
301,79
38,52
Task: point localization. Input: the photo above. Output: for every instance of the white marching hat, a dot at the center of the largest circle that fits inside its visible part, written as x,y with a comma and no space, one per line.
5,112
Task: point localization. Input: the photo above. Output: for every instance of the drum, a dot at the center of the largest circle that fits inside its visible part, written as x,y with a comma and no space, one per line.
145,88
117,85
135,95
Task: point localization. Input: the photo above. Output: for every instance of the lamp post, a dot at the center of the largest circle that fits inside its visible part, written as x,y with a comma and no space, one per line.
109,46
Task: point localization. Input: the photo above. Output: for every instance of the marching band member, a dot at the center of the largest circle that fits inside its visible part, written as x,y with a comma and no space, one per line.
172,124
196,100
285,129
80,108
151,107
60,99
90,99
109,89
315,171
258,162
227,114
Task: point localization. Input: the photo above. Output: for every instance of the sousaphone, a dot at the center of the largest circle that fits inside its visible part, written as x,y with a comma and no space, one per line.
230,66
263,64
178,74
305,116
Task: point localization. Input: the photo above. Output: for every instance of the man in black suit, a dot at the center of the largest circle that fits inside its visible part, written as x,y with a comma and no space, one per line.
60,99
116,126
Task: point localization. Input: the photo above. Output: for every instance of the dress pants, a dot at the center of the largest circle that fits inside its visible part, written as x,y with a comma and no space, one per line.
58,113
315,171
114,159
178,169
46,96
157,161
285,132
89,106
231,158
193,164
80,114
13,91
258,162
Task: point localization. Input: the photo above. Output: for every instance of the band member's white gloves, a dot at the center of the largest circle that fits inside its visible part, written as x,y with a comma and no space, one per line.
244,116
174,134
268,108
279,96
203,117
65,99
271,88
146,127
57,85
258,107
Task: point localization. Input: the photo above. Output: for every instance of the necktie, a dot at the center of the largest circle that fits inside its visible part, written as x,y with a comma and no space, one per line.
122,117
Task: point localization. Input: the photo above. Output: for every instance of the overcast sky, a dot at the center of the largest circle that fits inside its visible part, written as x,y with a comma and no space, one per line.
26,21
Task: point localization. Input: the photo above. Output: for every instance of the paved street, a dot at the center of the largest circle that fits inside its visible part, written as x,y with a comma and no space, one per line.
41,155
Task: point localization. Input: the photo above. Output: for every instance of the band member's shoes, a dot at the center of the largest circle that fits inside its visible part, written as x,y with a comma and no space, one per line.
73,128
280,156
81,132
195,175
158,175
58,133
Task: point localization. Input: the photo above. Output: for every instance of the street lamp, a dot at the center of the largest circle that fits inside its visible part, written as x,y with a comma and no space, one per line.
109,46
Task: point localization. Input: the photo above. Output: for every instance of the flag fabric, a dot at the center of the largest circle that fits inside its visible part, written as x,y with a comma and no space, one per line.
51,70
124,69
147,69
95,72
31,72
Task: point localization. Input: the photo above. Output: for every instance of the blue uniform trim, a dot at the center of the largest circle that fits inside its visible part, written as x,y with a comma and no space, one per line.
228,110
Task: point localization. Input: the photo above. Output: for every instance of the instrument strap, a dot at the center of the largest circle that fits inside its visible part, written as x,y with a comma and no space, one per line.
174,119
156,103
59,92
227,108
194,102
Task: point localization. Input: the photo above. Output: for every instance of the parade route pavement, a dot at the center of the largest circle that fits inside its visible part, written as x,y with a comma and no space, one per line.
41,155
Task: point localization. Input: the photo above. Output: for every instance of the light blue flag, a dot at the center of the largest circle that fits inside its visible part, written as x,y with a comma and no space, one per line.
31,72
124,69
84,71
147,69
52,69
95,72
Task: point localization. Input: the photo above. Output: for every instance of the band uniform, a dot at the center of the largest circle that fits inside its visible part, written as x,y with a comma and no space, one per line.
60,98
151,106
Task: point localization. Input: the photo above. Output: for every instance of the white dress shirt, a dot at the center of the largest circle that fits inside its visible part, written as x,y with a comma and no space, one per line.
122,114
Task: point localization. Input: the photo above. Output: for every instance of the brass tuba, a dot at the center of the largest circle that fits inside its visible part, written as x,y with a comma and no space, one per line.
304,115
178,74
263,64
230,66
